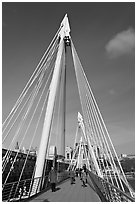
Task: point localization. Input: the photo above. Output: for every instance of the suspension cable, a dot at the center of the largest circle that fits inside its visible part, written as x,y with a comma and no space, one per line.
36,126
53,49
82,70
88,84
32,75
34,93
36,85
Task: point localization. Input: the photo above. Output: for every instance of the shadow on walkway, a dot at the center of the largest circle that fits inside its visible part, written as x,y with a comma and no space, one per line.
46,200
57,189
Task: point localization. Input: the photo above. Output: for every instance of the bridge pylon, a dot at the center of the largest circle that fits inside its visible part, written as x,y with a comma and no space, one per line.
34,112
64,32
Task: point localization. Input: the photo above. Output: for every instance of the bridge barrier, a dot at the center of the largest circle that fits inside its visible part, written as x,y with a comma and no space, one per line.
16,190
25,189
62,176
110,192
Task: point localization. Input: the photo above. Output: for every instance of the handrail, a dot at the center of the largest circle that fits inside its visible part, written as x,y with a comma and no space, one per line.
109,191
19,190
22,190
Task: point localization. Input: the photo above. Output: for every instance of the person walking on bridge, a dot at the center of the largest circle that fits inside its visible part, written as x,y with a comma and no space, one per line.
84,178
53,179
72,176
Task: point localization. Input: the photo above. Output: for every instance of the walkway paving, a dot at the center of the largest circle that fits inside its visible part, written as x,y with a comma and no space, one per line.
66,192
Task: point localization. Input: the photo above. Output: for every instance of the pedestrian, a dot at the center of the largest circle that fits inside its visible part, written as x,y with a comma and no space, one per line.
85,170
84,177
53,179
76,172
72,176
80,170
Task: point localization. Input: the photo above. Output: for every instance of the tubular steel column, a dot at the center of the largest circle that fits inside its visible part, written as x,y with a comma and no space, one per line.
65,29
62,113
62,147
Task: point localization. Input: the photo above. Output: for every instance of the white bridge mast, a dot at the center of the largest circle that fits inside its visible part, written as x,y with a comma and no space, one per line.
81,123
64,32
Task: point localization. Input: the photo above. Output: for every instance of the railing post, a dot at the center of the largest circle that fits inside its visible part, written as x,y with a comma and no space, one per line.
10,192
30,188
24,185
21,192
39,182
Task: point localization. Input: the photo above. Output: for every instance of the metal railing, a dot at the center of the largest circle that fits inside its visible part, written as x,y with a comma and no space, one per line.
25,189
18,190
110,192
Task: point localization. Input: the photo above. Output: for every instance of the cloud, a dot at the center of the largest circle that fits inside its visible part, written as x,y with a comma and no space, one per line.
122,43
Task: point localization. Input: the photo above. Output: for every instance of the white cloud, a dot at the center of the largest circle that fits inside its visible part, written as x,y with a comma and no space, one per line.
121,44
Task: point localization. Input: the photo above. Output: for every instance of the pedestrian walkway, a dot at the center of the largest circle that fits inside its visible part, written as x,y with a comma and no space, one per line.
66,192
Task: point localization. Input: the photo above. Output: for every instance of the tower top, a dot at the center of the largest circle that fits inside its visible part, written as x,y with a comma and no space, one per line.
80,118
65,27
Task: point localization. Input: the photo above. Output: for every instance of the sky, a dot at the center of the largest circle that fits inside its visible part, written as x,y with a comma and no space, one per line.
104,37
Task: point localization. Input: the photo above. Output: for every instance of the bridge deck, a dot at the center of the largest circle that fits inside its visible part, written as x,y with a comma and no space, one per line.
66,192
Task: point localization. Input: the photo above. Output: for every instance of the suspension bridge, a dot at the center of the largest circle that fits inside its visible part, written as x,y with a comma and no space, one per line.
39,113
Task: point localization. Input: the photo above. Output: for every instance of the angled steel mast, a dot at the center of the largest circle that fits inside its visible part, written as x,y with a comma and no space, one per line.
64,32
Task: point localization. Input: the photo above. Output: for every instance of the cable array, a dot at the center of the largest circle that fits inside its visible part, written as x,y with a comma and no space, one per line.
29,109
27,117
107,159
